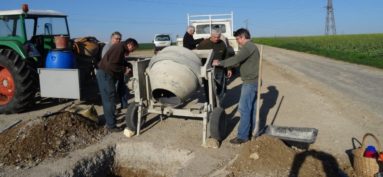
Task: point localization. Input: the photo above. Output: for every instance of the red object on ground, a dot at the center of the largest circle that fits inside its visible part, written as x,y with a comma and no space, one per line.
380,157
369,154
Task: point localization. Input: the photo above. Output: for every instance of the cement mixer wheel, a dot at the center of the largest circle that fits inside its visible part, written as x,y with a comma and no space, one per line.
131,117
217,124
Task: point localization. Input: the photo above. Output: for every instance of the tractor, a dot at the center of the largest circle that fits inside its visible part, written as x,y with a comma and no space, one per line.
26,37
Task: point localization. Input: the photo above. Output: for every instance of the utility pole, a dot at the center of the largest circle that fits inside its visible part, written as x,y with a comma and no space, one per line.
330,19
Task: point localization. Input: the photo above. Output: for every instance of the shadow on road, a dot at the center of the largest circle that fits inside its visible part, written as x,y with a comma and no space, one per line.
329,163
231,122
232,96
43,103
269,100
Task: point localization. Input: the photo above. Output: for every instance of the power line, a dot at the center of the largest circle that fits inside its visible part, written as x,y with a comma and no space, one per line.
246,23
330,19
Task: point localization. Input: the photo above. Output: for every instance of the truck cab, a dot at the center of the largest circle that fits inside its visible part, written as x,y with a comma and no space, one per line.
205,23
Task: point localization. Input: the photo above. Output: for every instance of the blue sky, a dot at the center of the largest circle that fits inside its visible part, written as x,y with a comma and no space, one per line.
141,19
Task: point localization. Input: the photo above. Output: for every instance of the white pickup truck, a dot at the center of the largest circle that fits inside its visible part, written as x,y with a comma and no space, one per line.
205,23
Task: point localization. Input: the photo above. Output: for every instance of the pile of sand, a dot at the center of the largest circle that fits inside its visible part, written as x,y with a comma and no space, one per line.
268,156
29,143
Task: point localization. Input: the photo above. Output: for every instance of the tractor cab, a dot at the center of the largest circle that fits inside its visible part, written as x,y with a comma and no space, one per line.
31,32
26,37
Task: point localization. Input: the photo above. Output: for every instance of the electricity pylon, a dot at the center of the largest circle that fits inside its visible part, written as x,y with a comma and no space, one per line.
330,19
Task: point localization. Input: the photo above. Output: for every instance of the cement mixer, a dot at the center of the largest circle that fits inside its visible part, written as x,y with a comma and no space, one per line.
165,84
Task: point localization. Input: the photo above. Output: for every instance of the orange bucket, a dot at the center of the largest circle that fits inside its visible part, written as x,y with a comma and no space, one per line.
61,42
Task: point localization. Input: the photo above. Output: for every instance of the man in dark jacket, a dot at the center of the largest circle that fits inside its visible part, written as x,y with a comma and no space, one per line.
111,67
122,91
248,59
220,53
188,41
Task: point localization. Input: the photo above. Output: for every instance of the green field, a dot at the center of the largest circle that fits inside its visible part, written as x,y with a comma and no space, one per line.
148,46
366,49
145,46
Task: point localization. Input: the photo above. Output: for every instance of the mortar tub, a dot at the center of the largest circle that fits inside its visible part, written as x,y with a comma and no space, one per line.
174,74
293,134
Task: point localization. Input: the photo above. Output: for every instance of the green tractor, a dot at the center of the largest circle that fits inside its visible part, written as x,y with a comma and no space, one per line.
26,37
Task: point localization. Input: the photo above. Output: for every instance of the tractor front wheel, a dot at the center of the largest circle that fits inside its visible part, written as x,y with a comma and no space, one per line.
17,82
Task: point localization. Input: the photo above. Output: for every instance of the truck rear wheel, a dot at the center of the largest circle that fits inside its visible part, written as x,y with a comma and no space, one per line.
17,82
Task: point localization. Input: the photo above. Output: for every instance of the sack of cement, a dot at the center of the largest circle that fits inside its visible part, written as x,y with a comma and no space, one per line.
86,111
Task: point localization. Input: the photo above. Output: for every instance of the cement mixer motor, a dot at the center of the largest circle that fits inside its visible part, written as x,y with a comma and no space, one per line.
164,84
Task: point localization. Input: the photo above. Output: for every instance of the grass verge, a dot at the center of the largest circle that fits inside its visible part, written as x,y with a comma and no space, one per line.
365,49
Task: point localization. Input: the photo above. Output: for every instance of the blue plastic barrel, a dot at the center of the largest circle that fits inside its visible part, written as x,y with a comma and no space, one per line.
60,59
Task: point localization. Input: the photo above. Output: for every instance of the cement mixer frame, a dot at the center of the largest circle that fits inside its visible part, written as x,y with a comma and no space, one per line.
210,112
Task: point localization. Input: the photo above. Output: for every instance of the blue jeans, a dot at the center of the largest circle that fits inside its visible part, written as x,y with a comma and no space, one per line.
247,108
107,87
122,91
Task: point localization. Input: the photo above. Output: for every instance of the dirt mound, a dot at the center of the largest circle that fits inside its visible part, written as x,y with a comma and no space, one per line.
268,156
28,143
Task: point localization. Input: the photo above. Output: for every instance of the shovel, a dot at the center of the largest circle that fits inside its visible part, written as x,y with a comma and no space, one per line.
256,132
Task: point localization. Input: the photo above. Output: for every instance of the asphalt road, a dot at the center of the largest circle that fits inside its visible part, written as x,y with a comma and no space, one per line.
362,84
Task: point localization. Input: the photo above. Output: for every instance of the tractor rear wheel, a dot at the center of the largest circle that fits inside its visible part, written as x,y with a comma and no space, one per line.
17,82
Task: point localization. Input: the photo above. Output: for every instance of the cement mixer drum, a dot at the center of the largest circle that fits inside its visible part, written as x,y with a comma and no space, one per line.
174,74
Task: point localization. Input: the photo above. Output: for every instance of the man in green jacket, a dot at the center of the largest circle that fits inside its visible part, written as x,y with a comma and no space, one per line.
248,59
